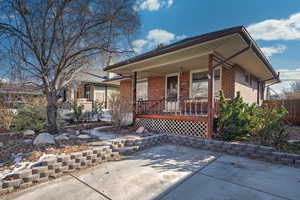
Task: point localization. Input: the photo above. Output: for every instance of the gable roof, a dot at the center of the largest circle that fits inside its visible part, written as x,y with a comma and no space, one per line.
198,40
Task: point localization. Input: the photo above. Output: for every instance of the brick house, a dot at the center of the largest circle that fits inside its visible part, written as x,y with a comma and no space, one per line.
175,88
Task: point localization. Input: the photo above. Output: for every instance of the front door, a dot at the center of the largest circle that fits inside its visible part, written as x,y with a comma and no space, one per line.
172,93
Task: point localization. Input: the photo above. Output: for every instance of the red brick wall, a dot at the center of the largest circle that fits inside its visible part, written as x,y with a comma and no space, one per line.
156,88
228,79
125,89
185,84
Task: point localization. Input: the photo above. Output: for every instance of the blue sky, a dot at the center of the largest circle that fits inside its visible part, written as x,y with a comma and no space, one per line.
274,24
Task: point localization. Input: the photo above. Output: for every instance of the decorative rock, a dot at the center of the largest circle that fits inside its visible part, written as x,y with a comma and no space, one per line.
28,133
140,130
44,138
27,141
62,137
85,132
83,136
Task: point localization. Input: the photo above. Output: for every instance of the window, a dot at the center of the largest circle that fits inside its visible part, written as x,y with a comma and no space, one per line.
142,90
172,87
199,84
86,92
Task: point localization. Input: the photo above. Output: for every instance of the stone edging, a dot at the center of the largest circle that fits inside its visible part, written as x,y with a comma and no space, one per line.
252,151
63,164
54,167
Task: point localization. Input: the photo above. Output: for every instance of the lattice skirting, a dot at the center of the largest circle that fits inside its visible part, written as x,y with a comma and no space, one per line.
191,128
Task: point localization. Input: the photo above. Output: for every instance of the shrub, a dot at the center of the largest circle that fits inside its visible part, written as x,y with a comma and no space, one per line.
121,110
270,127
6,118
30,117
235,118
239,120
77,112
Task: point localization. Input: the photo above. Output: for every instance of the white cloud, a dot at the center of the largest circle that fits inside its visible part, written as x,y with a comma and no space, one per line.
159,36
170,3
181,37
269,51
154,38
287,76
152,5
277,29
138,45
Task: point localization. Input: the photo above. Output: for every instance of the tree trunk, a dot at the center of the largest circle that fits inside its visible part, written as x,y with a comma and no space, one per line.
52,113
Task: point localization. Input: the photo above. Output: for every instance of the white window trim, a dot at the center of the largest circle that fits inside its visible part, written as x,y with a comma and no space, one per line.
202,70
144,80
178,88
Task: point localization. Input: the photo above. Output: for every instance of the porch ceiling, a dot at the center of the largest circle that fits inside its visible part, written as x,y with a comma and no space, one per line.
196,57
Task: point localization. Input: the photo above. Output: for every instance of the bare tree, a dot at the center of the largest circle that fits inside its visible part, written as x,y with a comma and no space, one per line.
54,39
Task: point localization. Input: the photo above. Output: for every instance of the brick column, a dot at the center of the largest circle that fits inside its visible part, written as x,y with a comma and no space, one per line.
210,104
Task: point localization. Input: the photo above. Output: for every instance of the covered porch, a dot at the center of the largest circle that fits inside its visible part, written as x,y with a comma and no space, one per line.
182,81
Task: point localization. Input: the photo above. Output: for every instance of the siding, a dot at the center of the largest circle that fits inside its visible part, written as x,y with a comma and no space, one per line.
247,91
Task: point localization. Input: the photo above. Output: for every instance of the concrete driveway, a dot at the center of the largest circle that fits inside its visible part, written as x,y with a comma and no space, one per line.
173,172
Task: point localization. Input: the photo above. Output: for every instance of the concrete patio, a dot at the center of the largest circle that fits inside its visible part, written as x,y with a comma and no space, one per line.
173,172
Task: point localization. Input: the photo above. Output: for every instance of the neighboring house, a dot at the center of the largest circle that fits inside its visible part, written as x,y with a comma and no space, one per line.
88,88
175,88
14,94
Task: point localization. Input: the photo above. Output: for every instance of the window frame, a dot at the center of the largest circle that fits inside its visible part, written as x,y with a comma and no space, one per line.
178,82
140,81
202,70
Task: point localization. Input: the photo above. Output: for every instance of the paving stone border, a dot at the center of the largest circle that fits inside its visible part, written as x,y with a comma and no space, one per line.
252,151
54,167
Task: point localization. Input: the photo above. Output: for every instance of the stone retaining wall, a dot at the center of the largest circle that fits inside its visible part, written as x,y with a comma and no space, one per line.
62,164
233,148
54,167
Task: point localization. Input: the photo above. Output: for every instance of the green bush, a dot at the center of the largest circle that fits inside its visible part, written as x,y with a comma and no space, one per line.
235,118
239,120
77,113
30,117
270,127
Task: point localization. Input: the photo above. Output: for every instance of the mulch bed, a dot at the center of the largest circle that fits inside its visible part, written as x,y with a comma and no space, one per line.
13,144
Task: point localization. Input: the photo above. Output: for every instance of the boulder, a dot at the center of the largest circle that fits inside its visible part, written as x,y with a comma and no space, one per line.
28,133
82,136
44,138
140,130
27,141
62,137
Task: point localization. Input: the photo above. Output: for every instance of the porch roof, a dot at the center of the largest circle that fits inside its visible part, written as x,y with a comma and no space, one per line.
192,53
